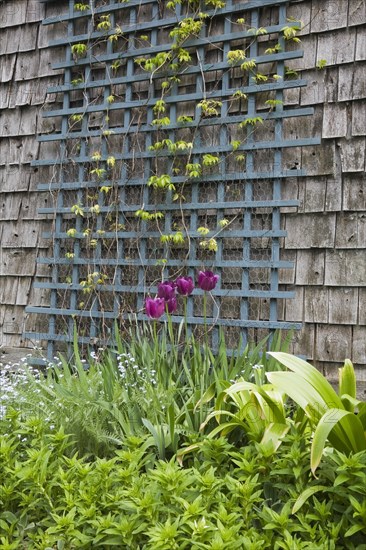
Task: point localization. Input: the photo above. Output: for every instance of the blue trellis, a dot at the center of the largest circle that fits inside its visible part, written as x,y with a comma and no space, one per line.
126,260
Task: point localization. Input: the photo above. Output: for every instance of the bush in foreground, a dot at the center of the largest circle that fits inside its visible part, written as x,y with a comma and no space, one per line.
224,497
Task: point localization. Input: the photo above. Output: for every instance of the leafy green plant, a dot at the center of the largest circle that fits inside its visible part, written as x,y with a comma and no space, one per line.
79,50
226,498
258,410
330,414
158,383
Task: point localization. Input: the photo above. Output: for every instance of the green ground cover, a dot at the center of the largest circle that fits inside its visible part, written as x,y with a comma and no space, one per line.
158,445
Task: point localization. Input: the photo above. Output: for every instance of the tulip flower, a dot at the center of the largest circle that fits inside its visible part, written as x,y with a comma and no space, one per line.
171,304
185,285
155,307
207,280
166,290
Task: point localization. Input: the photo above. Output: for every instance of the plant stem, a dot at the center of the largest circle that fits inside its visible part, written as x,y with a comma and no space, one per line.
205,345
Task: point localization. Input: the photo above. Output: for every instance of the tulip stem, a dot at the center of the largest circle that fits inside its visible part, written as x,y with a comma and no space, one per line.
185,316
205,346
155,332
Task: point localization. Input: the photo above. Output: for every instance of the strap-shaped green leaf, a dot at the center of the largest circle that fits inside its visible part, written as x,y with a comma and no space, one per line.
312,376
329,422
310,491
301,391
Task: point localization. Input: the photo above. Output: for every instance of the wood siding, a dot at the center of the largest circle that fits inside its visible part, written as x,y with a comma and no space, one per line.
326,234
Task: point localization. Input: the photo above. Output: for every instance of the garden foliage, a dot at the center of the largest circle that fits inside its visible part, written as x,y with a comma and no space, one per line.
161,446
225,498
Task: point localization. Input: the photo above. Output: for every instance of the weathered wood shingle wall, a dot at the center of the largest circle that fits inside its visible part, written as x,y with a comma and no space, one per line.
26,72
326,235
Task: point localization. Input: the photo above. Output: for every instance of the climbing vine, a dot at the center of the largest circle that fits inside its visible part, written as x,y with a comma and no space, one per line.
166,102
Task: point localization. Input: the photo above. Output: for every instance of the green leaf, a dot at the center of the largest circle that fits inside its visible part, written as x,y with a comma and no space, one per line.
301,391
310,491
347,384
311,375
326,424
207,396
274,434
354,529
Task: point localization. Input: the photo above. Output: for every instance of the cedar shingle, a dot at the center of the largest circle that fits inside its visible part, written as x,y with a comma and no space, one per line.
21,235
303,339
319,160
18,262
352,82
353,154
321,88
8,289
357,12
351,230
35,11
359,352
345,268
343,306
294,307
13,14
310,231
359,118
310,267
7,67
328,14
330,50
316,304
23,291
361,44
335,120
362,306
333,342
314,196
354,192
28,37
14,178
301,12
333,195
27,66
10,204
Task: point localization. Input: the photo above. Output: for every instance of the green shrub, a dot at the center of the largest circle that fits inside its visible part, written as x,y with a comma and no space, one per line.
225,498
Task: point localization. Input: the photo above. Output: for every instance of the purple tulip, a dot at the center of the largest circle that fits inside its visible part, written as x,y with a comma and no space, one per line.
155,307
166,290
207,280
185,285
171,304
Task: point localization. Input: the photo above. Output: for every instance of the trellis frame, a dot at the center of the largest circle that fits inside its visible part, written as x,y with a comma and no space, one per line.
248,204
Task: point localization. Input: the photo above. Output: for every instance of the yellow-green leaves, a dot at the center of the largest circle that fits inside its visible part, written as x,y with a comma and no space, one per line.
234,56
79,50
258,410
289,33
325,410
161,182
